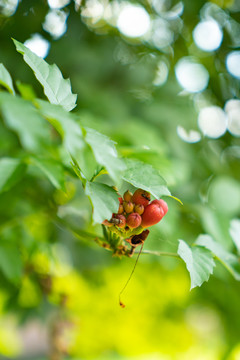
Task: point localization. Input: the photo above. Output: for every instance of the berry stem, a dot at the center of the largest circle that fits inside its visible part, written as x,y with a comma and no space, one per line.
159,253
120,302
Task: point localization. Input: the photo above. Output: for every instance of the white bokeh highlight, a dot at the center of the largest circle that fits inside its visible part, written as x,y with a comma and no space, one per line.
161,74
232,108
212,121
208,35
58,4
38,45
133,21
190,136
192,76
8,7
233,63
55,23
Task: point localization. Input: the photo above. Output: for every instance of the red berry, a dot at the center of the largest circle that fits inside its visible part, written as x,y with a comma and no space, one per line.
120,199
119,220
134,220
128,207
162,204
141,197
127,196
153,213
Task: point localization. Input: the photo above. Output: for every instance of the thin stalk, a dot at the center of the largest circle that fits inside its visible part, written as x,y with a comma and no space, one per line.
159,253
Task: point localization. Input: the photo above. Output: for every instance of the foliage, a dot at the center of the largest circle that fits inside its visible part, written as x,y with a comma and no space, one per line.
61,172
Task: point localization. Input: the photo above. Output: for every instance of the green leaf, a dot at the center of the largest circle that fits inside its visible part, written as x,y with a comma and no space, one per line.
145,177
21,116
199,262
105,153
5,79
11,171
53,170
235,232
56,88
26,91
67,126
11,262
104,200
229,260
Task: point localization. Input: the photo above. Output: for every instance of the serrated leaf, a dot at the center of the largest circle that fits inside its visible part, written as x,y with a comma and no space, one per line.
199,262
68,127
145,177
53,170
104,200
229,260
56,88
5,79
235,232
11,171
11,262
105,153
21,116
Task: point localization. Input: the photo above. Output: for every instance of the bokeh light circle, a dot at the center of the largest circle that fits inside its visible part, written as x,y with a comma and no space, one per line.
38,45
233,63
191,136
208,35
212,121
191,75
133,21
232,108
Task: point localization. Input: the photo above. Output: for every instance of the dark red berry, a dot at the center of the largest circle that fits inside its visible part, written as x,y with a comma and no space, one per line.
134,220
119,220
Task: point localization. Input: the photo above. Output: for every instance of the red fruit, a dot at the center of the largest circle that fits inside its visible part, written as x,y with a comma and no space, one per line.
128,207
141,197
134,220
119,220
139,209
120,200
127,196
153,213
162,204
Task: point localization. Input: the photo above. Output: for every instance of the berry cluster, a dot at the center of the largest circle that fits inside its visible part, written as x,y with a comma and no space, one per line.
136,213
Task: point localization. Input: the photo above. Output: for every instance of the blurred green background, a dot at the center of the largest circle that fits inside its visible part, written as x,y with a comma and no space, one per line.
161,78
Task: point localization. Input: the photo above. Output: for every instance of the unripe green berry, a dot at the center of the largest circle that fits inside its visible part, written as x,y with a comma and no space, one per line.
127,196
134,220
139,209
128,206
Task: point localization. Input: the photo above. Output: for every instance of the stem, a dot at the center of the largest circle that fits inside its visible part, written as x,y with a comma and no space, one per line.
160,253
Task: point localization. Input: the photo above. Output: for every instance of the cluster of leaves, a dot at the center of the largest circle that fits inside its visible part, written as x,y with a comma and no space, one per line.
61,148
